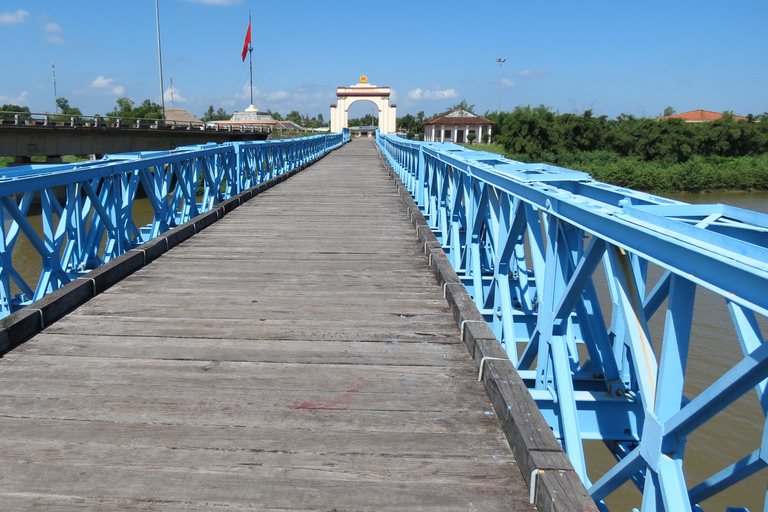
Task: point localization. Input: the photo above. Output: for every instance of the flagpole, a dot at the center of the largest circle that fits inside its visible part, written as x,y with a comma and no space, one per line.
160,57
250,55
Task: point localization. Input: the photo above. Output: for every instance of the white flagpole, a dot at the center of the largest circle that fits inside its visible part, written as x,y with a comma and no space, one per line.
160,57
250,52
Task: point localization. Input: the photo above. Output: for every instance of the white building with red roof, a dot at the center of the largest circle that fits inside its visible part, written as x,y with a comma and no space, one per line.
455,126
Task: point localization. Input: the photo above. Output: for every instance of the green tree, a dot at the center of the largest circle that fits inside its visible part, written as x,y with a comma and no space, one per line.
573,132
147,109
276,116
464,105
124,106
294,116
8,112
66,109
669,111
412,124
407,122
218,115
526,132
366,120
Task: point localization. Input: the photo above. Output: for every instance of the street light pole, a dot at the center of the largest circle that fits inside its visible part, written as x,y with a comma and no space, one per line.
500,61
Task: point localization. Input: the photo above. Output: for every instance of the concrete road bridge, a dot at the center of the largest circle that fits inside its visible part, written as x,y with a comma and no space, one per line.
29,135
398,326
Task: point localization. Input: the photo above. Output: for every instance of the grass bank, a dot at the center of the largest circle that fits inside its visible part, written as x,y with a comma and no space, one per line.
67,159
699,174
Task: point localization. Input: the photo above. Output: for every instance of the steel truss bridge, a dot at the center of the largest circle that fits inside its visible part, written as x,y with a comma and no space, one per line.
93,222
528,241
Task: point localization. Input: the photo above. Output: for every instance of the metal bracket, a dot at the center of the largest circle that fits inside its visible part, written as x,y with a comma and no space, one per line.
464,322
444,285
534,474
482,365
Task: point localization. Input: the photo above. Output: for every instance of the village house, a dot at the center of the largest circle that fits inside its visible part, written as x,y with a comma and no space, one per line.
455,126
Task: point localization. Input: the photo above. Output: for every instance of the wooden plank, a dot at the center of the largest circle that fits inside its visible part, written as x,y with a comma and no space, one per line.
267,439
240,488
298,354
246,329
265,351
308,465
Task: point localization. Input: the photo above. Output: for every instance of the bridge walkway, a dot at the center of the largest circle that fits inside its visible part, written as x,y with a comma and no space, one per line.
296,355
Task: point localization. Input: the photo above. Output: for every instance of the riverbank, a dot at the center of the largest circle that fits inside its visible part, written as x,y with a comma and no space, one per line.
699,174
6,161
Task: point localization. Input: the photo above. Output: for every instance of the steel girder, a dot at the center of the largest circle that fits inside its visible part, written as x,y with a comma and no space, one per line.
527,241
86,208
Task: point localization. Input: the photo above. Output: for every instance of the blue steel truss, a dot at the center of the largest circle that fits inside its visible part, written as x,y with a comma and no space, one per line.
527,239
86,208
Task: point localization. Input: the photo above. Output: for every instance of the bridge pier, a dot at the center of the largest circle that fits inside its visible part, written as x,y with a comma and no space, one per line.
20,160
27,160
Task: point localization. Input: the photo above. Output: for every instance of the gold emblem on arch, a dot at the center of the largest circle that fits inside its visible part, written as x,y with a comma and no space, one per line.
363,79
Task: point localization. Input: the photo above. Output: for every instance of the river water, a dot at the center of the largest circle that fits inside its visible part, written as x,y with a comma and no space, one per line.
27,261
714,348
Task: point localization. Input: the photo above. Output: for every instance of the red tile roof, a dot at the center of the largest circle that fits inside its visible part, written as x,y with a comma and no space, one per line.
700,116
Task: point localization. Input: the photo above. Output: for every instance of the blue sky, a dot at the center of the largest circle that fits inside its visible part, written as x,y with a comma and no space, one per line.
618,56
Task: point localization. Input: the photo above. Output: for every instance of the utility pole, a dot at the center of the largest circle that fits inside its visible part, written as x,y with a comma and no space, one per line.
500,61
55,95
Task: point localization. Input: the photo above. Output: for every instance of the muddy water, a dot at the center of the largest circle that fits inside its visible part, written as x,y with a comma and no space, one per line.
714,349
27,261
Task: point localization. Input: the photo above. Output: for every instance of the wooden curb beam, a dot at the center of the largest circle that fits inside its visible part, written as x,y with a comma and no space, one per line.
554,485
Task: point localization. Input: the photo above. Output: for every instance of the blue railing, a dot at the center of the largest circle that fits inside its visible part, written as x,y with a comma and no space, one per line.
530,242
86,208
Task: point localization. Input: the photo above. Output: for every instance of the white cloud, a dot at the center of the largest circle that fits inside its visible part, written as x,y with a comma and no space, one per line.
506,83
263,97
419,94
51,36
106,84
54,39
173,92
101,82
20,100
533,73
13,18
277,96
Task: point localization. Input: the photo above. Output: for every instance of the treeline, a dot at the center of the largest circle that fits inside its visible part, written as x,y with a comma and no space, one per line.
641,153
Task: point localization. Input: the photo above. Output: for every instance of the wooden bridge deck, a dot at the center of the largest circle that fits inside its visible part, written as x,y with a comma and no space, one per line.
296,355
